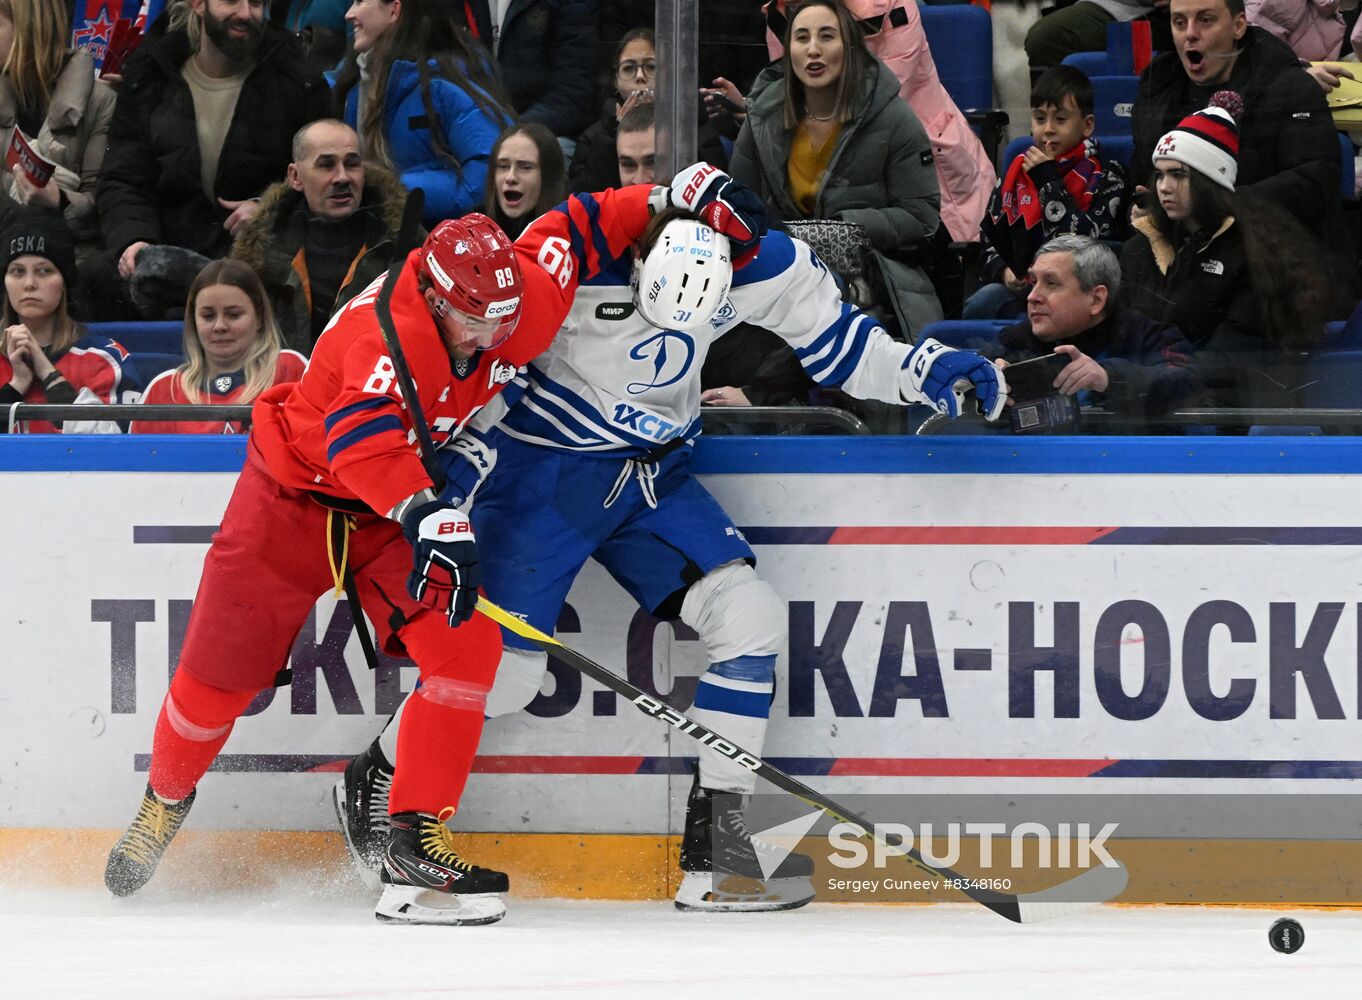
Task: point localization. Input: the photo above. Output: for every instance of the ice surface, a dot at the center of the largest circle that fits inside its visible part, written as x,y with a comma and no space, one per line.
311,942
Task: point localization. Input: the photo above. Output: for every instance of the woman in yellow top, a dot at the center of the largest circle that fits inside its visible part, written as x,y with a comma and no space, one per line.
828,137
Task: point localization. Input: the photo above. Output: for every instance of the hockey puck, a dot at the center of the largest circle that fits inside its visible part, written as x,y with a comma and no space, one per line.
1286,936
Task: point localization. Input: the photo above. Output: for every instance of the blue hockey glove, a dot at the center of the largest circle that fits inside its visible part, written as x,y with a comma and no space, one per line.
446,575
944,375
722,204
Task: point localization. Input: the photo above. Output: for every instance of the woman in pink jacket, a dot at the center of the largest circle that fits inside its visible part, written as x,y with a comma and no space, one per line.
963,169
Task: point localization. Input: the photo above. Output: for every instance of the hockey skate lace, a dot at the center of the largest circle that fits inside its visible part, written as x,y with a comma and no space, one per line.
737,824
437,840
378,799
150,831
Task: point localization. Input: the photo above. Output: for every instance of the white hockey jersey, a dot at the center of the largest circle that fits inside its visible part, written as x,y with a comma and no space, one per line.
612,383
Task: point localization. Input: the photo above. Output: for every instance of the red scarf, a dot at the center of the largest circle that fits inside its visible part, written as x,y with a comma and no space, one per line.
1078,168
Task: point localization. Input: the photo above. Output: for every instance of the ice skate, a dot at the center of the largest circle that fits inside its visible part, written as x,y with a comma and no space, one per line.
361,799
722,864
426,882
134,858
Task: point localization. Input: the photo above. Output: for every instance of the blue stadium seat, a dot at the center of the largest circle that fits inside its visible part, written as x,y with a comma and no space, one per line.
961,41
1334,380
1014,149
960,38
1114,103
158,337
1121,149
970,334
1091,63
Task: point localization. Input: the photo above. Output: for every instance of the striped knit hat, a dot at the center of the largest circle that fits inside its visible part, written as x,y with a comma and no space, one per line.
1208,141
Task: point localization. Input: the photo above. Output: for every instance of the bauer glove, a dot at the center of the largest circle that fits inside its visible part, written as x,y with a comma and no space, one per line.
446,575
942,376
722,204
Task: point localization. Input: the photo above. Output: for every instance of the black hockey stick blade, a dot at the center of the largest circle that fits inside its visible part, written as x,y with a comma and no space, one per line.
1096,885
405,243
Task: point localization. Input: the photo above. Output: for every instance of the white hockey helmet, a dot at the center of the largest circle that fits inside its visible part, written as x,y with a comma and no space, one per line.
684,279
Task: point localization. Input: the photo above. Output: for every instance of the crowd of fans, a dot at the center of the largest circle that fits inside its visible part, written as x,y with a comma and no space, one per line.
246,168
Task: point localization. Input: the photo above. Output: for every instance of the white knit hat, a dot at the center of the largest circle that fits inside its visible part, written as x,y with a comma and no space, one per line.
1208,141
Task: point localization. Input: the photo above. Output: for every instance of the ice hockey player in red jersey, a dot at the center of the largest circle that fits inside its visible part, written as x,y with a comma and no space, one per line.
334,493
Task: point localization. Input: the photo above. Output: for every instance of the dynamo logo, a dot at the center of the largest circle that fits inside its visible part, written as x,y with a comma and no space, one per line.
671,354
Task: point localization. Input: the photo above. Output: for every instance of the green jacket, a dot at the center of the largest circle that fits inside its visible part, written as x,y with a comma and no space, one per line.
881,175
271,243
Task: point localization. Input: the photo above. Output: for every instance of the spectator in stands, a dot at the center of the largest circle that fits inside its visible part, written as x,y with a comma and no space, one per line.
51,358
544,50
1082,27
636,147
527,177
320,26
594,166
1235,273
1118,359
1313,28
322,234
894,33
232,351
48,90
202,126
827,137
425,102
1059,185
1288,152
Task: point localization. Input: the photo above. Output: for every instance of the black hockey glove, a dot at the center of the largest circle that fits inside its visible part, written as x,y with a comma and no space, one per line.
446,575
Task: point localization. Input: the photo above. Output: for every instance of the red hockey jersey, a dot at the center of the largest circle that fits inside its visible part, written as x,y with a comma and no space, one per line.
93,362
222,390
344,430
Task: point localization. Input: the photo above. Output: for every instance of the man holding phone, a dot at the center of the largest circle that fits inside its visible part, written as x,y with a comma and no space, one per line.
1097,353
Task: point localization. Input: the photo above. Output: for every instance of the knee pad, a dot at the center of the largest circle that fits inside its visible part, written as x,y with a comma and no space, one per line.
200,712
519,677
736,614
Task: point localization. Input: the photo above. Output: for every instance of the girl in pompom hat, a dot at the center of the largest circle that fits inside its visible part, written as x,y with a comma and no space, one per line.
1235,272
51,359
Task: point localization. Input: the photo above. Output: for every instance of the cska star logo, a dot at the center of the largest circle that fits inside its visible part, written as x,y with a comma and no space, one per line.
500,374
1166,145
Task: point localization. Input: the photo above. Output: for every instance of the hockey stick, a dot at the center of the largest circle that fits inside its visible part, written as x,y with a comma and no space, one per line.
1095,885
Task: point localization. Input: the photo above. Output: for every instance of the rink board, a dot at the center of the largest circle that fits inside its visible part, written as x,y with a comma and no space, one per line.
1116,615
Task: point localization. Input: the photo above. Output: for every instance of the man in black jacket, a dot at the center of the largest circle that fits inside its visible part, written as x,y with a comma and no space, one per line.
1288,151
1116,358
203,124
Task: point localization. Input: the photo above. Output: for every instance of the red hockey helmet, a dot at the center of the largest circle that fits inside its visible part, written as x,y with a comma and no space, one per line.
474,278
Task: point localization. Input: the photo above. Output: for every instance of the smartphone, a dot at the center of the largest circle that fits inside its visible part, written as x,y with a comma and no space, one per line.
1034,379
719,102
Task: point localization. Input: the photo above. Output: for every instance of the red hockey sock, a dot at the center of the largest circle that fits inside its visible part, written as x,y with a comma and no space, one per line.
436,741
195,721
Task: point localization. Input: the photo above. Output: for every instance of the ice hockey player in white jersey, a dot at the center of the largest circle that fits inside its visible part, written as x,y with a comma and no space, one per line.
587,455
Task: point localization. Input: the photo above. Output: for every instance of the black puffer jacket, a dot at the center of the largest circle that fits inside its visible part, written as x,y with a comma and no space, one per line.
544,56
1288,151
1203,286
150,187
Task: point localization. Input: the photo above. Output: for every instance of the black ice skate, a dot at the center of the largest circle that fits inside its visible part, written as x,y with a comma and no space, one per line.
426,882
361,799
722,864
134,858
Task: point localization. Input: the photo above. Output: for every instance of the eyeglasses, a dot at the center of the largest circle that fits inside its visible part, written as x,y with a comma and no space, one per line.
631,68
